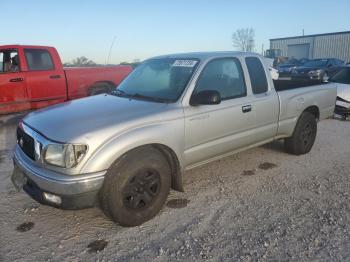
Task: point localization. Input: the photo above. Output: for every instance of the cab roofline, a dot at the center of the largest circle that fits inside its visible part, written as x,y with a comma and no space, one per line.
205,55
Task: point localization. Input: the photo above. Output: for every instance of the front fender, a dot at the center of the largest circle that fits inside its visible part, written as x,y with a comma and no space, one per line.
170,134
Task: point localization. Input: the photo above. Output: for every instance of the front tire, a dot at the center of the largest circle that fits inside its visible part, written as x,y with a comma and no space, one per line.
304,135
136,187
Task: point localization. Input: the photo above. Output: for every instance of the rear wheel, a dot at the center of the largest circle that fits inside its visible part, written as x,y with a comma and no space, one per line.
136,188
101,88
304,135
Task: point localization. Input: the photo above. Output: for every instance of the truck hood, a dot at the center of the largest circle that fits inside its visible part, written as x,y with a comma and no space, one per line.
101,116
343,91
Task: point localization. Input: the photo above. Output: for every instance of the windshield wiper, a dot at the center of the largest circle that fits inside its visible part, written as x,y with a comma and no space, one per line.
149,98
119,92
122,93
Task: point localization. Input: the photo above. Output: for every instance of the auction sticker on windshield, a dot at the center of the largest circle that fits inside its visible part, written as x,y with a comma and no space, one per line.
185,63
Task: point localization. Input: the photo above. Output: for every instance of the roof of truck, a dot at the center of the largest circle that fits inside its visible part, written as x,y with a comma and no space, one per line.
205,55
24,46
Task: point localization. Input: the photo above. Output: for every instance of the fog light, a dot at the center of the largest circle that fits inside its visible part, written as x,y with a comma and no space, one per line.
52,198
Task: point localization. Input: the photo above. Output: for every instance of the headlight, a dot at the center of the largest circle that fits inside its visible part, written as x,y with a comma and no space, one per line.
64,155
315,72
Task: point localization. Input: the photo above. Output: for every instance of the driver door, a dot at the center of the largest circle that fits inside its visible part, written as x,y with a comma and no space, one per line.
213,130
13,94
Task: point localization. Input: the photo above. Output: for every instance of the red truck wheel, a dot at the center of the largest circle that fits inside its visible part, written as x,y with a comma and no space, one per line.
101,88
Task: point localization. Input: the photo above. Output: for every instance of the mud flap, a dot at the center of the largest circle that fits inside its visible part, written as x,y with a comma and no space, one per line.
18,178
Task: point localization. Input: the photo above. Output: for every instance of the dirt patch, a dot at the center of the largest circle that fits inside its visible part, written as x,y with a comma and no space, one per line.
248,173
12,120
4,154
97,245
267,165
276,213
177,203
24,227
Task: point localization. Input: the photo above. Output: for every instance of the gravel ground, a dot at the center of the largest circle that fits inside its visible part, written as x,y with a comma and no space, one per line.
259,205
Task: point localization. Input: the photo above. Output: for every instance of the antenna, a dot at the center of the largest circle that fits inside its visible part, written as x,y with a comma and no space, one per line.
110,50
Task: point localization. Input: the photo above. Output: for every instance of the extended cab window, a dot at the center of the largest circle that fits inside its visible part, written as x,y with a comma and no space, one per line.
38,59
9,61
257,75
224,75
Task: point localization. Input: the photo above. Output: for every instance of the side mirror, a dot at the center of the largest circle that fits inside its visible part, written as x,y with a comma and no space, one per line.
206,97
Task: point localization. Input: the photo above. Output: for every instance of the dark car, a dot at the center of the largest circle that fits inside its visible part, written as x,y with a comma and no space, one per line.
285,69
317,69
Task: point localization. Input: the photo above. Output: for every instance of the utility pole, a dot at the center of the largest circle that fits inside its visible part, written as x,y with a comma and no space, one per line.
110,50
303,31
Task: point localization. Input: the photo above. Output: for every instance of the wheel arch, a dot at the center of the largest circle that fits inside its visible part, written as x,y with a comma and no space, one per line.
314,110
162,136
172,159
176,174
101,85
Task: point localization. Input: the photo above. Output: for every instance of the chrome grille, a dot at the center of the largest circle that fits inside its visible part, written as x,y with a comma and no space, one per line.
26,143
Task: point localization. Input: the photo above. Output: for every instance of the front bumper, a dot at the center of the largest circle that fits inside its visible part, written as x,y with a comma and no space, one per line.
284,73
342,108
75,192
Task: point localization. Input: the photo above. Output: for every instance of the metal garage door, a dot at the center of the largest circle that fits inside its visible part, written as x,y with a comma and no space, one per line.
299,51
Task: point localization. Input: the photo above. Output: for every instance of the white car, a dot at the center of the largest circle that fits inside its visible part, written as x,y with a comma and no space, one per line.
342,78
269,64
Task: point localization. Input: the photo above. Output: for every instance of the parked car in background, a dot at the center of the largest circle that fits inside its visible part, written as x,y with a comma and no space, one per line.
317,69
285,69
342,78
171,114
32,77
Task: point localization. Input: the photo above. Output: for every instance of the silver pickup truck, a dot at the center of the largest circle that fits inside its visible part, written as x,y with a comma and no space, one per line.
172,113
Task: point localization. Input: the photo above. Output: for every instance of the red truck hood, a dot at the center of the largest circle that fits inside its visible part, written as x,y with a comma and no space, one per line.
84,120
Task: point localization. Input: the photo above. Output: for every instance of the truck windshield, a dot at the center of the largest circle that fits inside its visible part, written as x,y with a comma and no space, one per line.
159,80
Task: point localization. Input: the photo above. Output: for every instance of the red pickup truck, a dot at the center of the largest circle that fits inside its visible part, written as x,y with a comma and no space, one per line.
32,77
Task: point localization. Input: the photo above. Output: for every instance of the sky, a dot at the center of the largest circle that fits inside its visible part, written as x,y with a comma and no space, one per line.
142,29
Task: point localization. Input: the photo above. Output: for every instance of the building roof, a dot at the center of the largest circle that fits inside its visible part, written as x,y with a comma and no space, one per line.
303,36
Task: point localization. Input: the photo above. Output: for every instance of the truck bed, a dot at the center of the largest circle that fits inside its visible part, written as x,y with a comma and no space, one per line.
282,85
294,95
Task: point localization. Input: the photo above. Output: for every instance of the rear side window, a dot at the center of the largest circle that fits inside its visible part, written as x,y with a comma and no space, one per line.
38,59
257,75
9,61
223,75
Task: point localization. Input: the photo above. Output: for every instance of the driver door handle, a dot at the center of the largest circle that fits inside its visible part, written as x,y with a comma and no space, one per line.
246,108
18,79
55,76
